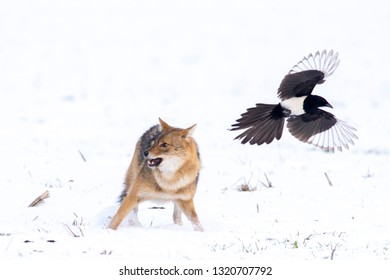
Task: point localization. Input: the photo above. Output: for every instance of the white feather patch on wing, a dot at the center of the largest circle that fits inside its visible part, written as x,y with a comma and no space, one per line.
338,136
325,62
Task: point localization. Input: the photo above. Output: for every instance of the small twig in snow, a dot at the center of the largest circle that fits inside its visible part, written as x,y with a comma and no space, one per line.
39,199
307,239
332,253
9,243
81,231
72,233
269,183
82,156
327,178
369,174
105,252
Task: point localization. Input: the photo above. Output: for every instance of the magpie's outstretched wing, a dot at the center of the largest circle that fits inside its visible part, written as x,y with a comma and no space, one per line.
307,73
322,129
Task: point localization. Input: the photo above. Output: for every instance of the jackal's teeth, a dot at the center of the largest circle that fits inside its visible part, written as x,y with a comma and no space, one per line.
154,162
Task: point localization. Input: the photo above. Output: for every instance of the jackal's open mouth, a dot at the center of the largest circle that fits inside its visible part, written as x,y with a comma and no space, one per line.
154,162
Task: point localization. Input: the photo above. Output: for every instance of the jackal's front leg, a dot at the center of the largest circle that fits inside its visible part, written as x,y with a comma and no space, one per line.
129,202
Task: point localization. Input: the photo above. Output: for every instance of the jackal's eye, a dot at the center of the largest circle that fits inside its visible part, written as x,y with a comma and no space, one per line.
164,145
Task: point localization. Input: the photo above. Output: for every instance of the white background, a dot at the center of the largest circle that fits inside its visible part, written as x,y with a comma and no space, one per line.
90,77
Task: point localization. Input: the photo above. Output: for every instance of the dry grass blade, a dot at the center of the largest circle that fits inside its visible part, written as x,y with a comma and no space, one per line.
71,231
332,252
39,199
269,183
82,156
327,178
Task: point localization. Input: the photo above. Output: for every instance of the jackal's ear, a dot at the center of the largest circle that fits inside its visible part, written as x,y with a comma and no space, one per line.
164,125
189,131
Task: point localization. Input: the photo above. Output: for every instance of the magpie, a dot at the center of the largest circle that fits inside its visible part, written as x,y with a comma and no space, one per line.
305,120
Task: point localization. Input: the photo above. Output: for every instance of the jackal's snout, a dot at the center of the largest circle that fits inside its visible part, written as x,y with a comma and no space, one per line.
152,162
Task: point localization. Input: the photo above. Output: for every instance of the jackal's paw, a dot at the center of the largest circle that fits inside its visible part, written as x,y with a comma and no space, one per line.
177,220
198,227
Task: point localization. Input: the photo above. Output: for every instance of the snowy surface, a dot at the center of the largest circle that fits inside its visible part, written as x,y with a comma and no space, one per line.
87,78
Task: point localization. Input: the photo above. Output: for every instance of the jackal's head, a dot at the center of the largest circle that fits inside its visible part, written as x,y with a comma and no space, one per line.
172,148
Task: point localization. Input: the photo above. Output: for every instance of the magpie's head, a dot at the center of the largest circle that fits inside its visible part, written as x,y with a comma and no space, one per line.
315,101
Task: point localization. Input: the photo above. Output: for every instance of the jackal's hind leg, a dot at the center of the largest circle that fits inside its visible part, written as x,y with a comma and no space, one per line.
132,219
177,215
188,208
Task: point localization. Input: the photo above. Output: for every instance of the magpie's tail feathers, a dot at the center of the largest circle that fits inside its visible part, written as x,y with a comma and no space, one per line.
263,124
254,116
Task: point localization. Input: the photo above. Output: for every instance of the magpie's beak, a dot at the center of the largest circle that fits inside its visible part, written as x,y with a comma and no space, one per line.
328,105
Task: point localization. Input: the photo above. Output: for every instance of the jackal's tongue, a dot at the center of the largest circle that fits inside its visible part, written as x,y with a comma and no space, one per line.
154,162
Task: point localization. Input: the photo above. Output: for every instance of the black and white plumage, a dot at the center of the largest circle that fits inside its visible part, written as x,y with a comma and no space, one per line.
305,120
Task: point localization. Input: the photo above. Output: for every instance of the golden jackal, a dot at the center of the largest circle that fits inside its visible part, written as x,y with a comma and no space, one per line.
165,167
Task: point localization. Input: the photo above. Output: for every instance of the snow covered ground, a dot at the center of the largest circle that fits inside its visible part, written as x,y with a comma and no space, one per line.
80,81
